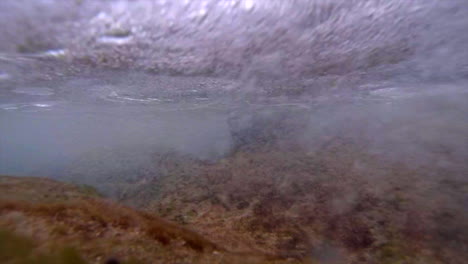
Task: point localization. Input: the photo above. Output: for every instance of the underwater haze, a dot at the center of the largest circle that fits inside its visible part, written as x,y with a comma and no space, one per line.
78,77
328,131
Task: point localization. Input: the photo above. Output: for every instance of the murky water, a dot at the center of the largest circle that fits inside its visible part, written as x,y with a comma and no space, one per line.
81,77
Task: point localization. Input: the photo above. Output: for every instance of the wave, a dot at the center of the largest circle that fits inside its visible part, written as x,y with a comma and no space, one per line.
245,38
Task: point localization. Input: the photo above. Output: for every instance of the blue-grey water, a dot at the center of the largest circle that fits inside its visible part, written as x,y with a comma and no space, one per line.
104,84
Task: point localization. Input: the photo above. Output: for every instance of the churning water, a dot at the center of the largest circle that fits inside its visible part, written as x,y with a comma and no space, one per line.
85,76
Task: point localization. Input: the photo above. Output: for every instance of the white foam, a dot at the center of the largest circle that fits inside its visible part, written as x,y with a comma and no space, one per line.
54,53
42,105
114,40
115,96
9,107
41,91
